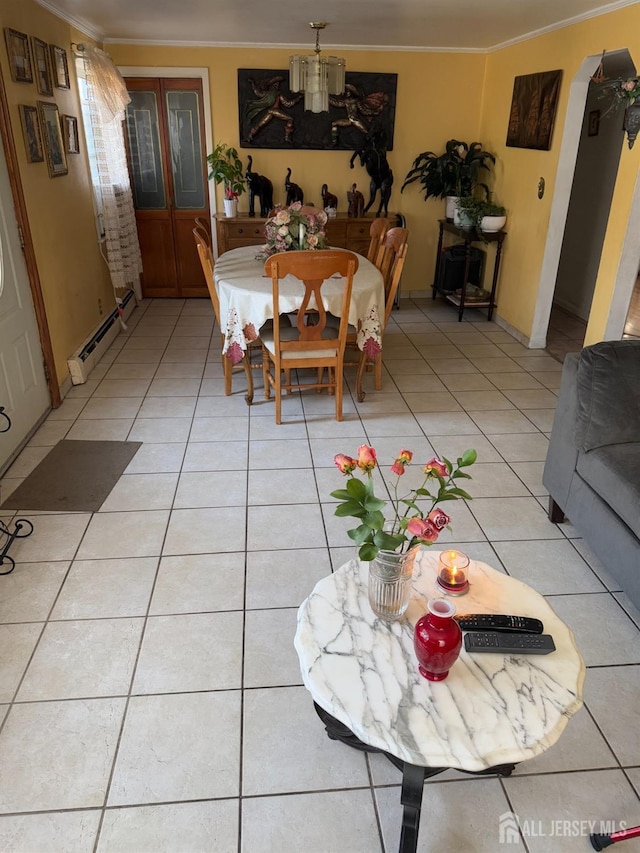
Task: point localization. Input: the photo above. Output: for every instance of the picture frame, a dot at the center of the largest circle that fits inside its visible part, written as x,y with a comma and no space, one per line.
51,129
533,110
593,123
60,67
70,133
19,56
41,66
31,133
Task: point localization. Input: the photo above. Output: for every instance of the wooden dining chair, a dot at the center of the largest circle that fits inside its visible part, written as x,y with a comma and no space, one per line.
379,228
395,275
201,228
311,343
206,260
391,246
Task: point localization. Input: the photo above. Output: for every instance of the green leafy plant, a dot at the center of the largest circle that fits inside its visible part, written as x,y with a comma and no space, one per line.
226,167
454,173
415,518
476,209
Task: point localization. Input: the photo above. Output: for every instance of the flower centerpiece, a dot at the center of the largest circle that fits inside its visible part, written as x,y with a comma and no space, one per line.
415,518
391,544
293,228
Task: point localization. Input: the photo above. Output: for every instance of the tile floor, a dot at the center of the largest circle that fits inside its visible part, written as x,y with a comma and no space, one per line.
150,693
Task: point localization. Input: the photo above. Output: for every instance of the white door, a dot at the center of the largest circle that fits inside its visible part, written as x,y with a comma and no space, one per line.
24,394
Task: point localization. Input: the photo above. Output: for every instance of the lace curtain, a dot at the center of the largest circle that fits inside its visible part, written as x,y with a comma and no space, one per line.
107,96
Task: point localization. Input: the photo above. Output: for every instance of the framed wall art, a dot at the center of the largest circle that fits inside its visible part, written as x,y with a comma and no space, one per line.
41,66
271,116
60,67
31,133
71,139
533,110
19,56
52,136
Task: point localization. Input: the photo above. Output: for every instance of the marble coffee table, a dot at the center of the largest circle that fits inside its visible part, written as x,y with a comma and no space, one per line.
492,712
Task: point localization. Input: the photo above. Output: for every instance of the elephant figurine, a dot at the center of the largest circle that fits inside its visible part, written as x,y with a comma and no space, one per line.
260,186
328,199
294,193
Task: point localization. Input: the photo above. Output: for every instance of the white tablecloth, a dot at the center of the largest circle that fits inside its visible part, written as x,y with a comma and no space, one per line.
246,300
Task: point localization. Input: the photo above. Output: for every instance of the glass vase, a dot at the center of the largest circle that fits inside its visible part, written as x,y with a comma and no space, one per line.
390,575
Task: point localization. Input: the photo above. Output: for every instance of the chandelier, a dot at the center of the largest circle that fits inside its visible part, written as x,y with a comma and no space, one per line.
317,76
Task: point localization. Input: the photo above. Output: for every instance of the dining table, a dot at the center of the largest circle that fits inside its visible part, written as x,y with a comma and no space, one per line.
246,300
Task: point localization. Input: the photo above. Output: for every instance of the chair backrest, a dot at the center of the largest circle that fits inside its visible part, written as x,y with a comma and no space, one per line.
201,228
394,282
379,228
314,269
393,241
206,260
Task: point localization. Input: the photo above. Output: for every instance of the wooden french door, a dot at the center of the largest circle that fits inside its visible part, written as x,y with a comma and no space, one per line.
167,161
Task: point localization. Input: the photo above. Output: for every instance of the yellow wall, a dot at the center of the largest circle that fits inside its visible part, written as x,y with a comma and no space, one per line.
72,273
440,96
426,117
519,169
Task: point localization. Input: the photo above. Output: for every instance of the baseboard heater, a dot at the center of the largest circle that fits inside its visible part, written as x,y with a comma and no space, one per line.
91,351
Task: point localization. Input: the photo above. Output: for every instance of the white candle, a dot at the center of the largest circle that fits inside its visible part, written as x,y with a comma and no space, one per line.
301,235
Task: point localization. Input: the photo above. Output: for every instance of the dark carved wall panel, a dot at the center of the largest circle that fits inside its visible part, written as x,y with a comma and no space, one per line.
273,117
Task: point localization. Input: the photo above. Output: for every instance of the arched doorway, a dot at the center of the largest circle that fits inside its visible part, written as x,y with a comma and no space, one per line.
587,170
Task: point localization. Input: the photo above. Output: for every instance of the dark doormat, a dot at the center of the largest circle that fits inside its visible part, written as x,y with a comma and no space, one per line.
75,476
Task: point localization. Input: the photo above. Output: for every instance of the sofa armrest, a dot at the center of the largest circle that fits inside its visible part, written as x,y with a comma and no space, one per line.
562,455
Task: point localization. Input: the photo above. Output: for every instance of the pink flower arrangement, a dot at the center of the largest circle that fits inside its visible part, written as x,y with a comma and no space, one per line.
294,227
416,518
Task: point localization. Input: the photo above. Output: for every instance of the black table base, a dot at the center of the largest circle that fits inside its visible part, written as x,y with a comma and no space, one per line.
413,777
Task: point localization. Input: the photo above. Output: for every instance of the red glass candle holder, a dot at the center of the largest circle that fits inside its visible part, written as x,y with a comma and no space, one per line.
452,572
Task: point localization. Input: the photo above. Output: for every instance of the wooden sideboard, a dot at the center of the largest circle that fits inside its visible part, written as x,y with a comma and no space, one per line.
343,232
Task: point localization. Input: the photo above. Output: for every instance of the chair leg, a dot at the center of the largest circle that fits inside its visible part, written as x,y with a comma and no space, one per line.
339,379
360,395
265,373
278,392
378,373
227,368
247,369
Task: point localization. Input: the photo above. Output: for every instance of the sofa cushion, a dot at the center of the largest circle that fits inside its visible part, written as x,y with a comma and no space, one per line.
608,394
614,474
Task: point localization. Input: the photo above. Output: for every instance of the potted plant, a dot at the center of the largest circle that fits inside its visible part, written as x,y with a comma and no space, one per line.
483,215
452,174
226,167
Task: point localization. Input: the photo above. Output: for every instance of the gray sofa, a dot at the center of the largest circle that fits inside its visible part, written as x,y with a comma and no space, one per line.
592,470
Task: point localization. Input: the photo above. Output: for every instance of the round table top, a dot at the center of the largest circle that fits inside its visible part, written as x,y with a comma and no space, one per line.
492,709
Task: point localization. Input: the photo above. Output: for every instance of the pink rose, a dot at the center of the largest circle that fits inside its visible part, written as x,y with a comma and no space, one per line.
366,458
282,217
404,457
423,529
312,240
436,466
345,463
295,206
629,85
438,518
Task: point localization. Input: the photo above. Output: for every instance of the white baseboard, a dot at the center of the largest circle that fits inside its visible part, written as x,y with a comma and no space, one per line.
94,347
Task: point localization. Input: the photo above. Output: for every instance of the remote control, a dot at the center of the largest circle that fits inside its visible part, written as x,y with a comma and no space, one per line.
499,622
509,644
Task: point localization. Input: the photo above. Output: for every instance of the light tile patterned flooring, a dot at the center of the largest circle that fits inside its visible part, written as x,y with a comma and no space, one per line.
151,694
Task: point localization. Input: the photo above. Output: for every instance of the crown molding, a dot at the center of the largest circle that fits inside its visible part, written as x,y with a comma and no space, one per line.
568,22
295,47
79,23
